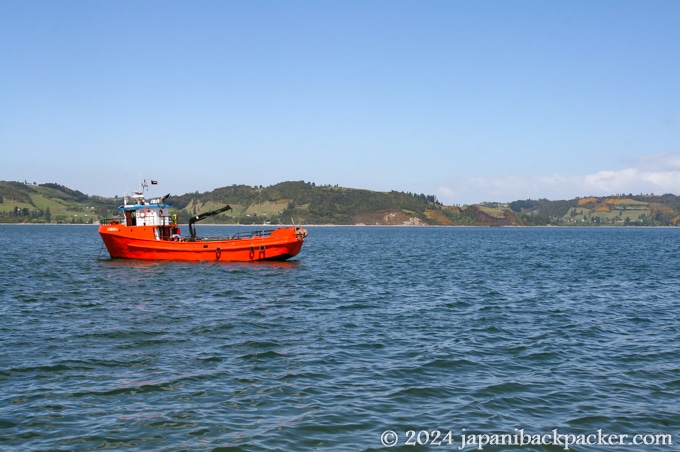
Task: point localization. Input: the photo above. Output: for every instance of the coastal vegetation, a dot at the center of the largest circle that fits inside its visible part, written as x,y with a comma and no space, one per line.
307,203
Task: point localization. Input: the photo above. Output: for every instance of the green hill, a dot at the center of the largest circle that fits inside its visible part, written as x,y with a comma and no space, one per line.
621,210
49,203
307,203
301,202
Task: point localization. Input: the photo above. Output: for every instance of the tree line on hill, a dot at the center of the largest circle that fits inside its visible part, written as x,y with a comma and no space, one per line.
305,202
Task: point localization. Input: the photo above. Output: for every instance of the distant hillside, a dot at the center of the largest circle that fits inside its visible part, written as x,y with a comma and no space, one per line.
281,203
307,203
49,203
622,210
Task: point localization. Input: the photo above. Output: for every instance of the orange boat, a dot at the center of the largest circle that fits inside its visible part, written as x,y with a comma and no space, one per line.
147,230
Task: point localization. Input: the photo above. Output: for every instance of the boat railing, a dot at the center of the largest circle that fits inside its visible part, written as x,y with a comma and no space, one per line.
251,234
113,220
161,221
240,235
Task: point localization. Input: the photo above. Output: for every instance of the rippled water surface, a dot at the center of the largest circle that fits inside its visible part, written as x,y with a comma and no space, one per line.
368,329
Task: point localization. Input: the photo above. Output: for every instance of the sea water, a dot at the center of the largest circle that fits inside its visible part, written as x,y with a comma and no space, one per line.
409,338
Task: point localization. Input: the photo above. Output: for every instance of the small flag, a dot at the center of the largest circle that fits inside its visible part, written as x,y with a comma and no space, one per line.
154,182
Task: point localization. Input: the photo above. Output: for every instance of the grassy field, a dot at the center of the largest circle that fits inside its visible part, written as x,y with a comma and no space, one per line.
608,210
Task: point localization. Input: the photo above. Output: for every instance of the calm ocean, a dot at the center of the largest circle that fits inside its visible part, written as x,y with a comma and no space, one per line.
371,337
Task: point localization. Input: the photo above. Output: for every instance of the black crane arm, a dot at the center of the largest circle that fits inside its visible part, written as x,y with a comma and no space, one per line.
203,216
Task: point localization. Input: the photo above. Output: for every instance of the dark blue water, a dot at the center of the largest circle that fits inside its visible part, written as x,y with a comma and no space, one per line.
468,331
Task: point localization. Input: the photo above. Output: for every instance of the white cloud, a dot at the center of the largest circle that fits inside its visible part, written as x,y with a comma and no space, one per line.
658,174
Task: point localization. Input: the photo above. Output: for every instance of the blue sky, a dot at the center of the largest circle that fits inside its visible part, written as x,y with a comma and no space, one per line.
470,101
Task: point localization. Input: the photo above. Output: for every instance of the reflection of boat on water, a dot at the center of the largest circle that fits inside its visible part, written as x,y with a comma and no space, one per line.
147,230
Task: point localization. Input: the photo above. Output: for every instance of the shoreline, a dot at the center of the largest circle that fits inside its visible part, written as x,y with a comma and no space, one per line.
380,226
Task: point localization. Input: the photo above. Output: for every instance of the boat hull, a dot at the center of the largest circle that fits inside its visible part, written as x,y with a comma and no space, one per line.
141,242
